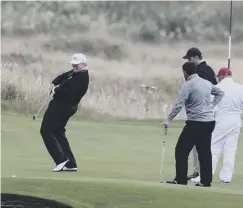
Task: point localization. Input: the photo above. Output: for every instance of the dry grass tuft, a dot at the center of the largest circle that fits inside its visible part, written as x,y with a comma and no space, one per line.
29,64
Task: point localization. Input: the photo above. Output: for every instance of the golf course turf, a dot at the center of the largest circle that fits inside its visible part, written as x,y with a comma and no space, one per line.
118,166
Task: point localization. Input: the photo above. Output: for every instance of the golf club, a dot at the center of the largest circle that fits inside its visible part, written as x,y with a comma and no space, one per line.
37,114
162,160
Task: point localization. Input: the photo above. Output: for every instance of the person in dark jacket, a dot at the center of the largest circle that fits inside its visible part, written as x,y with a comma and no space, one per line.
203,70
67,89
206,72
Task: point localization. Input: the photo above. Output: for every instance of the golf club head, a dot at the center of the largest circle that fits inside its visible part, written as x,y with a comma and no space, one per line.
162,182
34,117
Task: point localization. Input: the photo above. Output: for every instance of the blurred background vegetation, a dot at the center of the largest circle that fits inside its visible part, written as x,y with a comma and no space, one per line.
127,44
141,21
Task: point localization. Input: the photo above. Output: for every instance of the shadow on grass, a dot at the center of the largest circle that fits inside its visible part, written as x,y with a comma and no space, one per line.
16,200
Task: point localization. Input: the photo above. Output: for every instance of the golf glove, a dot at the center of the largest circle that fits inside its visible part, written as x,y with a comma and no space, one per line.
53,89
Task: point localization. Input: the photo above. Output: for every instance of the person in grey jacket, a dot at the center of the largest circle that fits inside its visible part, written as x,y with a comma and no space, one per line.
206,72
196,96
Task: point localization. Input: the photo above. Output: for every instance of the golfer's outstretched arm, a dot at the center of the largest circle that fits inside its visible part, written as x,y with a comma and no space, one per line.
218,95
180,102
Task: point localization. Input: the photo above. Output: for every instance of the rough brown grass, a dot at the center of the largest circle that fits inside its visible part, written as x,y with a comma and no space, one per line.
29,64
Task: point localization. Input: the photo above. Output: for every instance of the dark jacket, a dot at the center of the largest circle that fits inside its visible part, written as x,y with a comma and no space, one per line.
72,87
206,72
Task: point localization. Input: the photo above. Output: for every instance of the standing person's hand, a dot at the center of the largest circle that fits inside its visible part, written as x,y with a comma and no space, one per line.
165,126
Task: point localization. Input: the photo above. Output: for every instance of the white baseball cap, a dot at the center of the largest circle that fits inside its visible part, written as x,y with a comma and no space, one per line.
78,58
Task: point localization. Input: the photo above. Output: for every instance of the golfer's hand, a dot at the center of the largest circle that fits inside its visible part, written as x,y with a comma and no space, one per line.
51,88
52,92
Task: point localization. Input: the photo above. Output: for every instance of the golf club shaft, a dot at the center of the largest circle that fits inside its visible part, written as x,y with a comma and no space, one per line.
230,29
162,161
42,105
161,165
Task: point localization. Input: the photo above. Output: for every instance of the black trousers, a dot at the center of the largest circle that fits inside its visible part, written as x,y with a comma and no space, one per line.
199,134
53,132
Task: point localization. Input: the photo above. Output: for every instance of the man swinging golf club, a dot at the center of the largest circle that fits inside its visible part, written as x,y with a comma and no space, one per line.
196,96
68,90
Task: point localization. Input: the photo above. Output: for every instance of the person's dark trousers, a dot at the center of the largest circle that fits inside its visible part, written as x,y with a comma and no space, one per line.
199,134
53,133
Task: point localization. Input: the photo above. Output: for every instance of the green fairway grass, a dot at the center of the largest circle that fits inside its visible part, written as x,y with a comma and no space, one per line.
118,165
